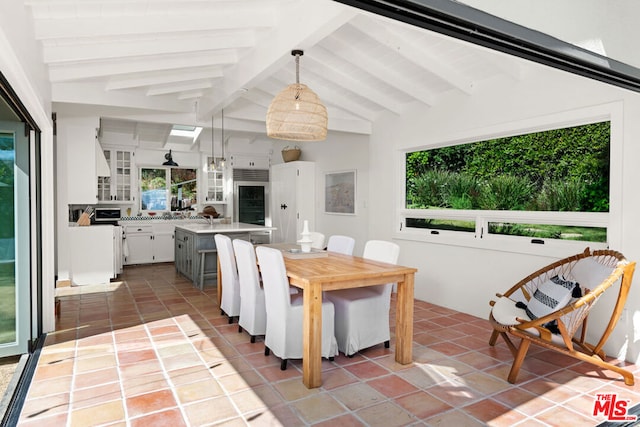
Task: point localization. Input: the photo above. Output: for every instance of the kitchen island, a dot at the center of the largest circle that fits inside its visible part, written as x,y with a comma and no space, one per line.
190,238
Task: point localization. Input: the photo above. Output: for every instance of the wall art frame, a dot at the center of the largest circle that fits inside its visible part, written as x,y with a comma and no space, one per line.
340,192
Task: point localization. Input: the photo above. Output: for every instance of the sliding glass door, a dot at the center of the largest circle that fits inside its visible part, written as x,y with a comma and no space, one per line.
15,271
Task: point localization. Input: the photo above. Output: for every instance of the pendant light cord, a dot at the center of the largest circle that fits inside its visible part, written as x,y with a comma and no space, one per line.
222,127
213,150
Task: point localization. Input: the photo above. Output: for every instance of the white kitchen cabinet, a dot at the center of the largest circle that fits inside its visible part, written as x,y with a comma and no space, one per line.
138,240
148,243
249,161
92,252
163,246
293,199
84,160
119,185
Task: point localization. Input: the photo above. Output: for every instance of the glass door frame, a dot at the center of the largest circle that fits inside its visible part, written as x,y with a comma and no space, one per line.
21,245
28,230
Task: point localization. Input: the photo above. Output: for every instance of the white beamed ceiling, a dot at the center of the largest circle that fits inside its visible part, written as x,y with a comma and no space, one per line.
182,61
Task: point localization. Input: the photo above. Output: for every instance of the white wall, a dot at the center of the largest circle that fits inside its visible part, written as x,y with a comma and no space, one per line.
21,64
606,28
21,58
339,152
464,278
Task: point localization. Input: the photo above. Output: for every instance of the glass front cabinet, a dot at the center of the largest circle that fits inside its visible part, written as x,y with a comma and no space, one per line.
118,186
215,183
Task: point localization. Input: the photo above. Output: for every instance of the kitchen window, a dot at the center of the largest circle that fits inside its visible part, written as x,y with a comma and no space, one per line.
168,189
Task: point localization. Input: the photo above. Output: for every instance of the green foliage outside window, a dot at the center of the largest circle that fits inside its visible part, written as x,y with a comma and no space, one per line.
557,170
7,159
180,192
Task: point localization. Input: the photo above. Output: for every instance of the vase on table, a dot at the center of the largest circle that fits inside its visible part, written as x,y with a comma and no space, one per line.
305,238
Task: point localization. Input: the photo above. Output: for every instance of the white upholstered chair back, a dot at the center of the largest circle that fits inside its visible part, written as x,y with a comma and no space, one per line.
253,315
383,251
362,314
285,311
341,244
317,240
230,300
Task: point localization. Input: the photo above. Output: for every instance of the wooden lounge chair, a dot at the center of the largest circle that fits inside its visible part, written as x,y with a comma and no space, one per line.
564,329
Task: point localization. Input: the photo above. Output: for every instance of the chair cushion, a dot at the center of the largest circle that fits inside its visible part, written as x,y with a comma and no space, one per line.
550,296
505,312
589,272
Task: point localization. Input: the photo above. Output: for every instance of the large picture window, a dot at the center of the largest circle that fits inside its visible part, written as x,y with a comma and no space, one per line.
167,189
551,184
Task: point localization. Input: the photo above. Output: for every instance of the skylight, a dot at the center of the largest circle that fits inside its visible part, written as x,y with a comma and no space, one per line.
186,131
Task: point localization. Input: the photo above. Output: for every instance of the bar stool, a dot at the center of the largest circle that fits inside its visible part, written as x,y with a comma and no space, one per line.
206,273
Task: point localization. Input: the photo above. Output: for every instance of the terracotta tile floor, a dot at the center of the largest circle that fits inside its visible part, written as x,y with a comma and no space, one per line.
152,350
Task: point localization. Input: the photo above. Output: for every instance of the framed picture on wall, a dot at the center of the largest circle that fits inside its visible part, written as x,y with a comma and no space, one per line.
340,192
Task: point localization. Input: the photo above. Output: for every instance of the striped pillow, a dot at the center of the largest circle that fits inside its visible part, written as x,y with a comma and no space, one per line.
550,296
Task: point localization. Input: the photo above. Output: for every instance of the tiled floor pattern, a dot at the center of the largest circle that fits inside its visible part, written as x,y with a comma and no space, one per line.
152,350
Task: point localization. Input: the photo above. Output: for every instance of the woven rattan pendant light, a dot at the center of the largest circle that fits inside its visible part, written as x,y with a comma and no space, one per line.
296,113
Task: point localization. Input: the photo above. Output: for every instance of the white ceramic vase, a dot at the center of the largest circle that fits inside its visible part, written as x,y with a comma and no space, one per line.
305,239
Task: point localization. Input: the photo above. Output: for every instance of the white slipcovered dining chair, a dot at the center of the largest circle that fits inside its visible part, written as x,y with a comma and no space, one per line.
362,314
317,240
230,300
285,312
253,314
341,244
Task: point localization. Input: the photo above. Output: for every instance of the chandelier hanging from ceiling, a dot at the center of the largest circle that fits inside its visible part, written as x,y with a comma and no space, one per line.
296,113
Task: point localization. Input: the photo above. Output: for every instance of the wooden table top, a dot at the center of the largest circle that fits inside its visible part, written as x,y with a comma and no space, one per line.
338,271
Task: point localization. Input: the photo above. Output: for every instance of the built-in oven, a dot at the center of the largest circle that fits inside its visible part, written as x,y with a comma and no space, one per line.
109,215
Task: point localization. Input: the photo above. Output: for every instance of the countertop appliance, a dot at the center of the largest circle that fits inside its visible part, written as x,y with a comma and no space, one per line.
105,216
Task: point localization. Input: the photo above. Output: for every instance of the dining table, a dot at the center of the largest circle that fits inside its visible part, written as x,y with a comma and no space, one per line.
317,272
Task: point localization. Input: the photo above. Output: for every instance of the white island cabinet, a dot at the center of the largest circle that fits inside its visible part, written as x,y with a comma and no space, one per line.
92,254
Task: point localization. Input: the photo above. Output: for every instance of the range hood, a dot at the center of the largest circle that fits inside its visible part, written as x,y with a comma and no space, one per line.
102,167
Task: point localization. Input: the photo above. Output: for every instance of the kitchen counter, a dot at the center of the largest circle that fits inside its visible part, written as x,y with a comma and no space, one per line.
126,220
234,227
191,238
